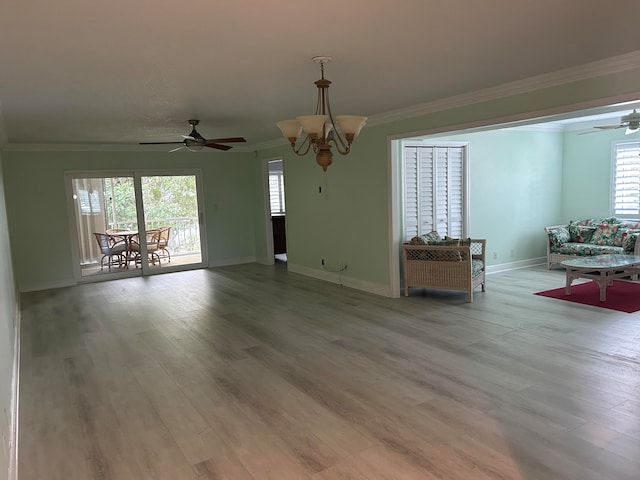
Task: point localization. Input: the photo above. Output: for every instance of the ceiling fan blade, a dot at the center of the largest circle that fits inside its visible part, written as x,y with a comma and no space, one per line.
226,140
609,127
218,146
195,142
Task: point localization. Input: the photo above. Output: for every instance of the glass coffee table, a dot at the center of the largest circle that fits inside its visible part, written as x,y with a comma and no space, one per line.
602,269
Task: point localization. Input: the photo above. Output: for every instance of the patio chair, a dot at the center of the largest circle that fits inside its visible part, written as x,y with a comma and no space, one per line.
153,245
110,250
164,242
114,238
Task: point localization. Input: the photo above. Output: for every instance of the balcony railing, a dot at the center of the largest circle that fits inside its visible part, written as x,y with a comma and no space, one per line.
184,238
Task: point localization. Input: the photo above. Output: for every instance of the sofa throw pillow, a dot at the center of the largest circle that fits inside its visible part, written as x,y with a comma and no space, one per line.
605,234
580,233
448,242
432,236
559,235
581,223
631,225
629,241
620,236
460,242
595,222
417,240
426,239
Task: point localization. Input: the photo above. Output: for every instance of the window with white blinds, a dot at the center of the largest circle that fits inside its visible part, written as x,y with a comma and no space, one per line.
276,187
434,190
89,202
626,179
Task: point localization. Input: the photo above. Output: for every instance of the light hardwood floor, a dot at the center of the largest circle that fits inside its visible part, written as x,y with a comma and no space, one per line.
251,373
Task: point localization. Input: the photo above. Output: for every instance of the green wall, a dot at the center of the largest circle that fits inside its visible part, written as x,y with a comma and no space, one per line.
587,173
513,192
37,208
515,189
340,216
8,316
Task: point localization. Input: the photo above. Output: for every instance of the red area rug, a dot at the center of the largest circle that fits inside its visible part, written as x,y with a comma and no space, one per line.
621,296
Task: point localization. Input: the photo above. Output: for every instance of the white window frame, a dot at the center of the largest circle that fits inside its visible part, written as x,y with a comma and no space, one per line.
464,183
616,165
136,175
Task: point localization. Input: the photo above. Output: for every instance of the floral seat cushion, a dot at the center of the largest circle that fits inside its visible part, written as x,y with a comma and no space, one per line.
584,249
477,266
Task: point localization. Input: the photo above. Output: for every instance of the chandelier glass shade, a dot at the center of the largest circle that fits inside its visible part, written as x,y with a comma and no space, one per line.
322,130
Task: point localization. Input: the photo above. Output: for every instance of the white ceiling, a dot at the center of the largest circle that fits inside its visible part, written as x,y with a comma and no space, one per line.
121,72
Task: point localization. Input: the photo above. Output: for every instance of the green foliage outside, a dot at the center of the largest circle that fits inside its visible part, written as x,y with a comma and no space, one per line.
164,197
120,202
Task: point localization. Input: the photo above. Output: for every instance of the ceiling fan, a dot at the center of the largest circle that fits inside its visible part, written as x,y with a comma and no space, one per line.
630,121
195,142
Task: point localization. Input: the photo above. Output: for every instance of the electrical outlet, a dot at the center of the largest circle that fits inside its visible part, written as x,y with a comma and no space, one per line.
322,261
495,255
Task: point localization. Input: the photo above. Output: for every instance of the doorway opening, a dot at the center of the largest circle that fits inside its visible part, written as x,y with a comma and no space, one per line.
277,210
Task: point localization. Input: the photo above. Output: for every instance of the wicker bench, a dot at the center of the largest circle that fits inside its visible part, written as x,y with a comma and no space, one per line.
445,267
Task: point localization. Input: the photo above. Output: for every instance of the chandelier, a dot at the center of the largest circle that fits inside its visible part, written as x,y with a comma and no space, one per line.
321,130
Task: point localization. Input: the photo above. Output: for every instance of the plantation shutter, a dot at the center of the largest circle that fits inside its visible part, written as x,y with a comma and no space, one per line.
626,186
433,190
276,187
456,194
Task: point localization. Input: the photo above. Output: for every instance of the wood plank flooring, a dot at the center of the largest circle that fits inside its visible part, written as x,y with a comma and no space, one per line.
253,373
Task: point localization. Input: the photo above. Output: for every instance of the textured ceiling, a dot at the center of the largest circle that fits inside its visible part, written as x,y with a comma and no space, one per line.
78,72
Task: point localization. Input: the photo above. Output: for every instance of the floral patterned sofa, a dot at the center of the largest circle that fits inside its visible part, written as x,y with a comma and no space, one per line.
591,237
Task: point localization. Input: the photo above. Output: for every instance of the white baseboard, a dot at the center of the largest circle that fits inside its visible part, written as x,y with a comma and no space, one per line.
15,397
34,287
231,261
265,261
504,267
341,279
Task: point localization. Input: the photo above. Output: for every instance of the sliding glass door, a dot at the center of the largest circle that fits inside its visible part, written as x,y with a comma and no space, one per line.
171,219
132,223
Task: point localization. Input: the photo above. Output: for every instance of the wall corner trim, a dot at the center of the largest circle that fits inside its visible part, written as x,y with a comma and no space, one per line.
15,398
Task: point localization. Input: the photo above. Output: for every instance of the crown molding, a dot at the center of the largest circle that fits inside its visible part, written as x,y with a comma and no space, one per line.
277,142
546,128
620,63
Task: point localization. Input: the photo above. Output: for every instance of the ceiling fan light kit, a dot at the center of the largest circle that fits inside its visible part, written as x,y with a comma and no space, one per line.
195,142
322,129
